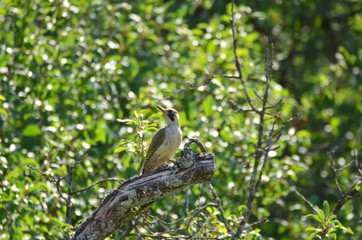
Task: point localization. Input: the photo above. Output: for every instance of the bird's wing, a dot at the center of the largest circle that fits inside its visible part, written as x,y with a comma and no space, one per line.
156,142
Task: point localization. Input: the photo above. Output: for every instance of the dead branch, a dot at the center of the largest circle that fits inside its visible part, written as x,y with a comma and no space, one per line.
138,193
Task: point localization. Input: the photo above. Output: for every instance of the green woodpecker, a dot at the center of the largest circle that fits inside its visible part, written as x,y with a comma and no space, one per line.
165,142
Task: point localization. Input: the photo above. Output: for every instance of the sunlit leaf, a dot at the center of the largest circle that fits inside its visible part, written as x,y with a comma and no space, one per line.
315,217
120,149
326,209
124,120
31,130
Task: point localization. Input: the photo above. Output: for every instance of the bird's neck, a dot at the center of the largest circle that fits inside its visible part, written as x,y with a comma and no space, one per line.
174,124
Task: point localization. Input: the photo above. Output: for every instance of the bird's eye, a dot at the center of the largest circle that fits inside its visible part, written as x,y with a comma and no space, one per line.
171,114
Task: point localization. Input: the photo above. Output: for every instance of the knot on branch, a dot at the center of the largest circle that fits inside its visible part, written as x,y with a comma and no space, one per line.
188,156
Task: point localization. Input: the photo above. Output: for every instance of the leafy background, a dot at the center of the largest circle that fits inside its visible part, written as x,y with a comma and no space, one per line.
69,69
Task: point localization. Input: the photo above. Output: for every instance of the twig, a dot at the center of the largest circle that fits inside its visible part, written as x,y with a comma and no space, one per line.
193,214
257,94
237,62
347,165
98,182
268,68
219,206
275,104
70,193
198,210
225,76
351,193
355,154
204,83
165,236
265,158
191,87
50,179
306,201
126,233
334,170
239,109
262,221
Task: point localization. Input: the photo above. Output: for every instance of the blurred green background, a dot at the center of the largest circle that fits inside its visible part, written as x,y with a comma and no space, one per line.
69,69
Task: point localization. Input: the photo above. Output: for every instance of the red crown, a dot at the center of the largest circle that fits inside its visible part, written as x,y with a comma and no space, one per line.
172,109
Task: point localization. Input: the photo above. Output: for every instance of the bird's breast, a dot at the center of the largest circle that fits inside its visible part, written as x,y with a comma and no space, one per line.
173,138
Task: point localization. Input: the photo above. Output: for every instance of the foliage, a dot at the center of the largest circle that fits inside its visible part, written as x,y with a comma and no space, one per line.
329,224
135,143
69,69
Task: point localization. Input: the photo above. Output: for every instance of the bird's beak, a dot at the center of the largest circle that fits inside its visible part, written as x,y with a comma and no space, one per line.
161,109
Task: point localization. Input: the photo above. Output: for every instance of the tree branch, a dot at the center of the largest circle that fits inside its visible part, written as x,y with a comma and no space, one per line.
138,193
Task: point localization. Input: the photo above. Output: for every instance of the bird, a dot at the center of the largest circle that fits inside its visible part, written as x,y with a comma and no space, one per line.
165,142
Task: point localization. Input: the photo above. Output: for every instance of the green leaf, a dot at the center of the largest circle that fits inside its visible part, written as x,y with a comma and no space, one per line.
2,111
326,209
31,130
333,236
315,217
40,186
121,143
120,149
124,120
30,162
152,129
314,235
207,105
349,230
321,215
340,226
101,132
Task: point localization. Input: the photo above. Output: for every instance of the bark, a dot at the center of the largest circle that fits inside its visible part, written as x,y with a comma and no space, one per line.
138,193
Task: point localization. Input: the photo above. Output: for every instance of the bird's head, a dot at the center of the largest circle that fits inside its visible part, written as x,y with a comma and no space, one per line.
171,115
